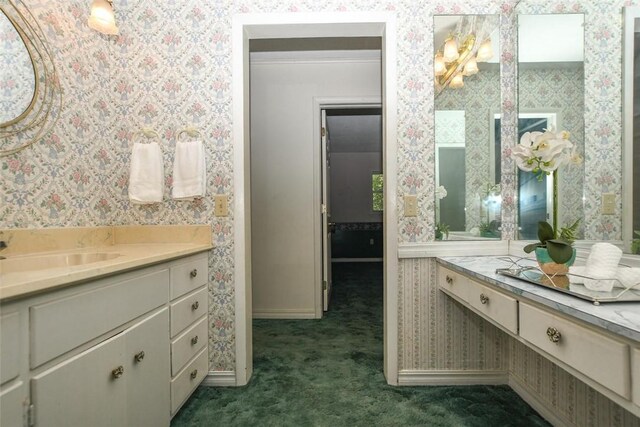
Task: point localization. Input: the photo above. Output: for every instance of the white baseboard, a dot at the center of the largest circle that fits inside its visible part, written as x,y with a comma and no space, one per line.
220,379
357,260
417,378
284,314
529,396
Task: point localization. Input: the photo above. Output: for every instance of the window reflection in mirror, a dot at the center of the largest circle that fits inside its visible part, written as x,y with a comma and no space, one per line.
551,96
468,203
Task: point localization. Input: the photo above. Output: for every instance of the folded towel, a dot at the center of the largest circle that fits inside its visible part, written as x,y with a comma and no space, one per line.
602,267
189,171
146,178
629,277
576,274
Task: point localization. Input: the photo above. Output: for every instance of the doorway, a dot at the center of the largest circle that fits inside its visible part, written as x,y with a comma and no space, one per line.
261,26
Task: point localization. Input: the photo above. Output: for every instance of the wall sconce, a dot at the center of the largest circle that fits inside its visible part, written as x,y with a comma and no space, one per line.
102,18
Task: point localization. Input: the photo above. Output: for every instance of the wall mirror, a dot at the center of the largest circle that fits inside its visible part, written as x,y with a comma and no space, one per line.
30,95
631,131
467,92
551,95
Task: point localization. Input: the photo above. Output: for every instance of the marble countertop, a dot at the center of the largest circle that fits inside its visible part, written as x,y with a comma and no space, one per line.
120,248
619,318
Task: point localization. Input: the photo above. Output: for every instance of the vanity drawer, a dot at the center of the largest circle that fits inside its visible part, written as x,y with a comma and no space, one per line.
188,379
635,365
453,283
9,346
187,344
495,305
186,310
189,275
62,325
585,350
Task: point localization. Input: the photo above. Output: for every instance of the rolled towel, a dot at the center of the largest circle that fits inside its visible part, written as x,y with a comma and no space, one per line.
146,177
629,277
602,266
576,274
189,171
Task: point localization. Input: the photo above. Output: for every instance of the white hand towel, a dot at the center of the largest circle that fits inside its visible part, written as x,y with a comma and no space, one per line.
602,267
629,277
146,178
189,171
576,274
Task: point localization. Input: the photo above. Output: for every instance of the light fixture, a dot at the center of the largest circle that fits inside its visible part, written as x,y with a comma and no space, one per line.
439,67
485,51
450,50
102,18
470,68
457,81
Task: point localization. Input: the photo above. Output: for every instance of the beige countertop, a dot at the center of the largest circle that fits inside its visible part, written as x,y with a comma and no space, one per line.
115,250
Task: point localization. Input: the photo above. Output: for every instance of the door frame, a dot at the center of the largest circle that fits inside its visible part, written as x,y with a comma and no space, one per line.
302,25
327,103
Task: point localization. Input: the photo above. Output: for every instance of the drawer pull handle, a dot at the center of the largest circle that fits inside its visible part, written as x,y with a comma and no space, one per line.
194,340
449,280
195,306
554,335
139,357
484,299
117,373
193,273
194,374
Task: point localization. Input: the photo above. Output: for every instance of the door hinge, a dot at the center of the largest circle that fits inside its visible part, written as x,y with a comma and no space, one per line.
323,208
323,132
31,415
324,285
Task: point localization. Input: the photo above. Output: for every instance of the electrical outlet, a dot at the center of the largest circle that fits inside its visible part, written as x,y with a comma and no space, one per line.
221,207
608,203
410,205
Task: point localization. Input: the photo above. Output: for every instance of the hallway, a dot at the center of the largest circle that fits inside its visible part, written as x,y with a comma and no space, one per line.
328,372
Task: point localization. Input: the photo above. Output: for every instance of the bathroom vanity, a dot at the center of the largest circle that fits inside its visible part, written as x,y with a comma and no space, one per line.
118,340
599,344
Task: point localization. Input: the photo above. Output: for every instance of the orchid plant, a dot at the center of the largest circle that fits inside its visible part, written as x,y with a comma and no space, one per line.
542,153
442,229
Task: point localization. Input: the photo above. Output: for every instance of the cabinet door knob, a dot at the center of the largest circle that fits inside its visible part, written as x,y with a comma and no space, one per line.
193,273
194,374
194,340
195,306
139,357
484,299
117,373
554,335
449,280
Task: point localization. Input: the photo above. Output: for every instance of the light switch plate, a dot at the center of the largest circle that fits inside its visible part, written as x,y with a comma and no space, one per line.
410,205
608,203
221,205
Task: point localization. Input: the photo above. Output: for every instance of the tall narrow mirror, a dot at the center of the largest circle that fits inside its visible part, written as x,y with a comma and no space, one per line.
467,93
551,96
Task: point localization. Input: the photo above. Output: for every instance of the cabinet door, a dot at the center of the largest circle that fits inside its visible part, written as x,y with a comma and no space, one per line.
148,372
13,405
85,390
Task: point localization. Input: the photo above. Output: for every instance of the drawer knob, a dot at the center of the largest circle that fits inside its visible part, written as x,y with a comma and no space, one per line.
193,273
117,373
194,374
449,280
195,306
139,357
484,299
554,335
194,340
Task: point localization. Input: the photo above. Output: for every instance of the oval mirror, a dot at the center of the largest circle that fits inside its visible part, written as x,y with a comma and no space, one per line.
18,79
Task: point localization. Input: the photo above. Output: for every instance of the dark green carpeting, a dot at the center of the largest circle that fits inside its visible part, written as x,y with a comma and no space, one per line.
329,373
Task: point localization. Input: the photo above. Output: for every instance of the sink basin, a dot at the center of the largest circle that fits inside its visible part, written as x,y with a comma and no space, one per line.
45,262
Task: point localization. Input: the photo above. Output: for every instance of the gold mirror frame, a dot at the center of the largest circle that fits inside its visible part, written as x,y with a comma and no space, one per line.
43,112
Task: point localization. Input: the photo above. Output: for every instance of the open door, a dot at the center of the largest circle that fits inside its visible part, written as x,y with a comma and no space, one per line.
327,226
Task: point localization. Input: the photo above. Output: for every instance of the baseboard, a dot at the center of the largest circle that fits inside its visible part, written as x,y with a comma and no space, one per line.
417,378
220,379
284,314
529,395
333,260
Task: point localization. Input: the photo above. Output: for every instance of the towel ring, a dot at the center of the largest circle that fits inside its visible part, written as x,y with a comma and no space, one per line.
146,132
190,131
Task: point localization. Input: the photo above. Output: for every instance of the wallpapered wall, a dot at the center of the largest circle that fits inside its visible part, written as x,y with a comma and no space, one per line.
171,66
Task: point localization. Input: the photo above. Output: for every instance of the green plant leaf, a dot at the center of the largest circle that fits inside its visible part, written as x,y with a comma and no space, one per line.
569,233
545,232
532,247
559,250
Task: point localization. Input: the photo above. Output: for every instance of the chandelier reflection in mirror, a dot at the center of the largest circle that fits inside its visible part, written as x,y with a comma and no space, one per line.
466,45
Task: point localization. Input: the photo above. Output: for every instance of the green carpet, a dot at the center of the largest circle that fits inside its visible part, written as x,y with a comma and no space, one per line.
328,372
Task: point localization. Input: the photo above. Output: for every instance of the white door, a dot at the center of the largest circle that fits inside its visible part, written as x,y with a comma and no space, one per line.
327,226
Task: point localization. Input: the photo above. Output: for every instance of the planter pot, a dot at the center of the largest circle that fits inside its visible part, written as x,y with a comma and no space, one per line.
549,266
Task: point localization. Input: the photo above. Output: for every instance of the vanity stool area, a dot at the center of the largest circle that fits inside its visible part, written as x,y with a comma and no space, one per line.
598,344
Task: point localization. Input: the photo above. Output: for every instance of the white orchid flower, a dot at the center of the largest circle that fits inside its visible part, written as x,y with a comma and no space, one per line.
529,138
441,192
575,158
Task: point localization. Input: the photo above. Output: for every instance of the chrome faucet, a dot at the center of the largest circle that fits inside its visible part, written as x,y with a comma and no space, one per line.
3,246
